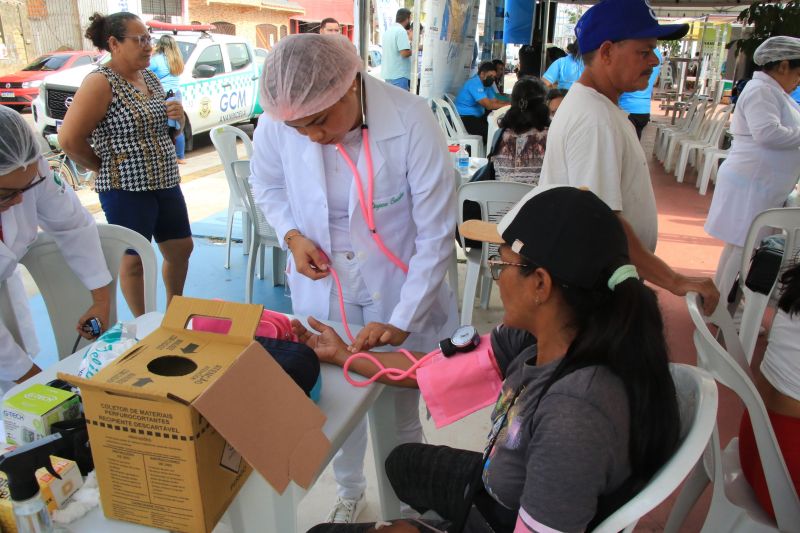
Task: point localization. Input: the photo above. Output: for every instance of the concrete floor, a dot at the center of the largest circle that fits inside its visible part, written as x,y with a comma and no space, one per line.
682,243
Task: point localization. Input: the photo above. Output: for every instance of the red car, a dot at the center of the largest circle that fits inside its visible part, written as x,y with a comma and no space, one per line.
19,89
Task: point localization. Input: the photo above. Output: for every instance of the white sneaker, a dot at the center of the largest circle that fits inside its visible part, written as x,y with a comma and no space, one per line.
346,511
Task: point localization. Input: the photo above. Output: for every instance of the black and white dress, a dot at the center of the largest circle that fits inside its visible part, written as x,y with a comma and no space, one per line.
132,140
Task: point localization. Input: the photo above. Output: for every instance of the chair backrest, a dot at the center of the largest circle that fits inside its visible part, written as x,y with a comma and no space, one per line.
241,174
66,298
730,368
495,199
786,219
718,128
452,114
697,403
445,122
224,140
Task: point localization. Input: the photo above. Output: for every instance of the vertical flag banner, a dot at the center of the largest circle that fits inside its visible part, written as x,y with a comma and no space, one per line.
448,45
518,21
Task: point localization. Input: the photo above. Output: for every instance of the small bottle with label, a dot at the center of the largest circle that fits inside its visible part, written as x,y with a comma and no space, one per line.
453,149
463,162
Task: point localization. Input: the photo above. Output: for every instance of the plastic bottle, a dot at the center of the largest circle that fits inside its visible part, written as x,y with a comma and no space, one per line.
20,466
453,149
463,162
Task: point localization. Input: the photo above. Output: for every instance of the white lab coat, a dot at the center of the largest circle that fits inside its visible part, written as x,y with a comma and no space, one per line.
415,211
56,208
764,161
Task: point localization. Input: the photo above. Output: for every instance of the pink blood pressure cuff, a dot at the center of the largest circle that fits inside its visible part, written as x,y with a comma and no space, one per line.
454,387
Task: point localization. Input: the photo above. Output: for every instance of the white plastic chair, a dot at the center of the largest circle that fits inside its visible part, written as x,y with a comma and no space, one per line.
665,77
453,127
733,503
263,236
714,129
697,402
711,157
66,298
224,139
786,219
495,198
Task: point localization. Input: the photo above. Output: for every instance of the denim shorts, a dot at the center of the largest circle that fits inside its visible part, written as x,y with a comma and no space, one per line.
159,214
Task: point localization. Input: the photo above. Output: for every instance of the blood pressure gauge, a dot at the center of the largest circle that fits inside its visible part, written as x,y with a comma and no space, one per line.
464,339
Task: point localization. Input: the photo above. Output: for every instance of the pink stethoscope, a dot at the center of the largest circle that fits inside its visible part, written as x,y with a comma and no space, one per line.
368,211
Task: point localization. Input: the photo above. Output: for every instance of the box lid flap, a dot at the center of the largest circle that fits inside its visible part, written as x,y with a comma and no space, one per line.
267,418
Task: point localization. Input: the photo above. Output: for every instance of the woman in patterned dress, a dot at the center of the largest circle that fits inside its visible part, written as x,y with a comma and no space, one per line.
121,108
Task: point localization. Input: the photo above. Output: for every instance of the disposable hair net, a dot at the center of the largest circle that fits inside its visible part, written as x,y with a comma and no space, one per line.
18,144
307,73
777,49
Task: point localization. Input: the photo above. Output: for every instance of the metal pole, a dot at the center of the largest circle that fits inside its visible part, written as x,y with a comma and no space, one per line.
700,64
365,29
415,47
545,32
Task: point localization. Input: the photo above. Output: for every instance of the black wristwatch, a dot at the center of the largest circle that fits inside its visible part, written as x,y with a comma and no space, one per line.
464,339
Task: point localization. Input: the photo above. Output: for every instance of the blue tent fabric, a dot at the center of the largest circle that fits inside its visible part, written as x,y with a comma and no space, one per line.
517,22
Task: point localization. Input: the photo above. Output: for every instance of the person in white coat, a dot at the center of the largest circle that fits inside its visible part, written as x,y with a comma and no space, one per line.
318,103
31,196
763,165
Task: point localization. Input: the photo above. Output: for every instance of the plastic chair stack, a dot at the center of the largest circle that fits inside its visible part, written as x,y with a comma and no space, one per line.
709,138
453,128
263,236
224,139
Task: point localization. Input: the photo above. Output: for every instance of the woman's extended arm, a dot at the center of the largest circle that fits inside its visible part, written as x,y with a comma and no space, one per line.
87,110
330,348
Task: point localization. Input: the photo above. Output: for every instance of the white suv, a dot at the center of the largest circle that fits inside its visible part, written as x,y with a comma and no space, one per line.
219,84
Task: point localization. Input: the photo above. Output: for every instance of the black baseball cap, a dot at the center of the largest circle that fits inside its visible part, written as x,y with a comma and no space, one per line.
569,232
618,20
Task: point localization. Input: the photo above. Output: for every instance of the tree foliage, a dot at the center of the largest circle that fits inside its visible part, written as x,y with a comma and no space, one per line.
768,20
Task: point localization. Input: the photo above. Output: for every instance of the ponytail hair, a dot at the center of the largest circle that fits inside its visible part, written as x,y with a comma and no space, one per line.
103,27
622,329
528,108
790,293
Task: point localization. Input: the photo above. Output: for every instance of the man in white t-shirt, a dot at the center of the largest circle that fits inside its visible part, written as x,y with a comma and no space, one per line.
591,143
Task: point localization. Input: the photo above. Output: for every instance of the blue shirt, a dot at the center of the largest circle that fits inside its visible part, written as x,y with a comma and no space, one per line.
796,94
638,102
160,67
472,91
564,71
394,66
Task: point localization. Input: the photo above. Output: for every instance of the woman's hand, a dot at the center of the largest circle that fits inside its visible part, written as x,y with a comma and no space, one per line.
308,258
100,309
175,110
377,334
329,347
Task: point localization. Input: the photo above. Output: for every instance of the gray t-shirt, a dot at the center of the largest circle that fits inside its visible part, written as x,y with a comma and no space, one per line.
553,461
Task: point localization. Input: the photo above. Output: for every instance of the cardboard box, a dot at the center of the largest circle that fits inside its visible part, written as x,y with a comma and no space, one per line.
29,414
54,491
168,419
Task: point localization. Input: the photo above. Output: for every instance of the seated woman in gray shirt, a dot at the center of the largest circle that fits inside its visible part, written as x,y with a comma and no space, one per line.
588,409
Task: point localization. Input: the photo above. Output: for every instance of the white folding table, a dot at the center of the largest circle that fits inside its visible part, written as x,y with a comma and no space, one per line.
258,507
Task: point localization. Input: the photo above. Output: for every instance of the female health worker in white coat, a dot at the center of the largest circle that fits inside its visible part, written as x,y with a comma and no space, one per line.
764,161
316,95
31,196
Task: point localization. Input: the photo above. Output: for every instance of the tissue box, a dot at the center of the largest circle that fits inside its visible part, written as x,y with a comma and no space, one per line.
55,492
28,415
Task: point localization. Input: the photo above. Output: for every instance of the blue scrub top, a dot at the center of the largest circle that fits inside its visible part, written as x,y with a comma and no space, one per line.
160,67
565,71
796,94
467,100
638,102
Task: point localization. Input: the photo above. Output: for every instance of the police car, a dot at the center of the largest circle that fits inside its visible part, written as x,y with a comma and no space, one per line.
219,84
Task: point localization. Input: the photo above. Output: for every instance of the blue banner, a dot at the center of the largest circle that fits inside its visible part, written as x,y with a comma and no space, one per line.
518,21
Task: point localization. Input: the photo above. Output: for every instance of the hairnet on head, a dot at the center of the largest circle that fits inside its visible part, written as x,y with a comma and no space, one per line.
18,144
777,49
307,73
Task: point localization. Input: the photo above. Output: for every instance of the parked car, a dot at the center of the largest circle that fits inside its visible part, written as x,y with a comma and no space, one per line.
219,84
18,90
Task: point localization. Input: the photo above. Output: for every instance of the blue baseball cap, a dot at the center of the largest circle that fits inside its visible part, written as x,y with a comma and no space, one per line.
618,20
